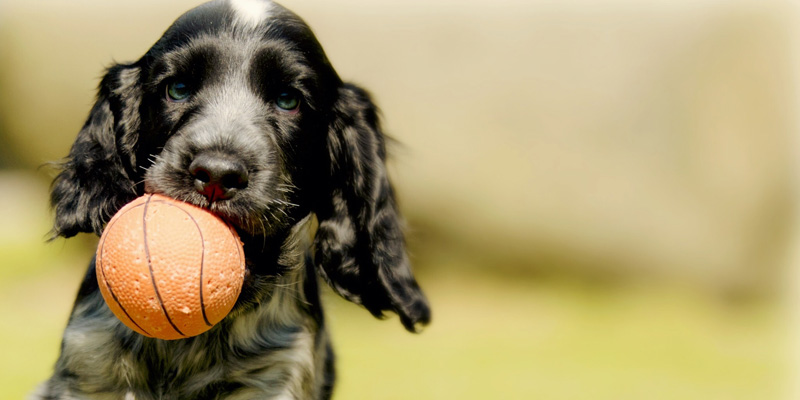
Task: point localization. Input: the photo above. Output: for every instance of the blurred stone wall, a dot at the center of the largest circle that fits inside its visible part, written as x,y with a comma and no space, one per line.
607,139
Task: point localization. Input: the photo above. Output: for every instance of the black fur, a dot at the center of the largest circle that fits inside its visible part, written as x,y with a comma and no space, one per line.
324,160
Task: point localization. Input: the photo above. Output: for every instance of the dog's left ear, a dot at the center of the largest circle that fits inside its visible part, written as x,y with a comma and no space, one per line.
359,245
98,175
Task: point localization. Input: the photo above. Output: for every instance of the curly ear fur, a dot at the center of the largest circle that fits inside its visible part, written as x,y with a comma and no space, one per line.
98,176
360,247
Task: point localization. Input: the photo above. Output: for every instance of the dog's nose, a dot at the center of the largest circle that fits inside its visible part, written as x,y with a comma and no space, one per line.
218,177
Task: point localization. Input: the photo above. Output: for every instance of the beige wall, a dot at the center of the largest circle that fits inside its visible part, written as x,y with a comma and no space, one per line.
614,138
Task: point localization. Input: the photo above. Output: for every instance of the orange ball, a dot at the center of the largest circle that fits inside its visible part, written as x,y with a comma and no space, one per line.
169,269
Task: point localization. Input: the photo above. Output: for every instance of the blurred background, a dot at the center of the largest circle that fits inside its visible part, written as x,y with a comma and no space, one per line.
601,195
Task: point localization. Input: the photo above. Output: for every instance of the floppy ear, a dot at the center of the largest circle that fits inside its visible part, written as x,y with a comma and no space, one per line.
98,176
360,247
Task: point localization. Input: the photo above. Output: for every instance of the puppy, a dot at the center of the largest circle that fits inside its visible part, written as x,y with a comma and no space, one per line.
236,109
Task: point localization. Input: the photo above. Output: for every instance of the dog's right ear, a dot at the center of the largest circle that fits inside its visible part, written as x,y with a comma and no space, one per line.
99,176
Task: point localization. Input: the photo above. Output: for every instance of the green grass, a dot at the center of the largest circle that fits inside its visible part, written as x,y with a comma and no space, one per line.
495,338
491,338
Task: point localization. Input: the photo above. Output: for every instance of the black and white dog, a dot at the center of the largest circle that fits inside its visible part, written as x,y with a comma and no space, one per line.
236,109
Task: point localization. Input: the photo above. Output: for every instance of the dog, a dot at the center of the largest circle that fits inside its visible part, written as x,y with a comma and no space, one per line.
236,109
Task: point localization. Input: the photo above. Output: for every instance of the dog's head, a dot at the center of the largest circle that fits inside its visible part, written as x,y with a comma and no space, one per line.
237,109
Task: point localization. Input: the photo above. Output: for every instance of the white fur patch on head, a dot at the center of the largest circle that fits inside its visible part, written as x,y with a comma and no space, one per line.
251,12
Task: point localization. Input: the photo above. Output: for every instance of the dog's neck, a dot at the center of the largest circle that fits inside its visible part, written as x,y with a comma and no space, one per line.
281,300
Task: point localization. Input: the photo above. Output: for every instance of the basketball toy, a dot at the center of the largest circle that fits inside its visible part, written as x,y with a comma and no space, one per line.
168,269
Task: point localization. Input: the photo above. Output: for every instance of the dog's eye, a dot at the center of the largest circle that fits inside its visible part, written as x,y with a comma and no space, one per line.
288,100
178,91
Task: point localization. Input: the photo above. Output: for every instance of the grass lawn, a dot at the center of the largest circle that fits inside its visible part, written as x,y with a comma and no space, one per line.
492,338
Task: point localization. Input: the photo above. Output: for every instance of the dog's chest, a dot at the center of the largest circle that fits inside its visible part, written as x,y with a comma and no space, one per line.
251,358
278,364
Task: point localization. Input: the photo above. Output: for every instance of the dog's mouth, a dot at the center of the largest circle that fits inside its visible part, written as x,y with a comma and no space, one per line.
259,207
246,218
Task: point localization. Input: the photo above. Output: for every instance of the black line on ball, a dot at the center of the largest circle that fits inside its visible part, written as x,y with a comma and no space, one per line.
150,266
202,261
103,271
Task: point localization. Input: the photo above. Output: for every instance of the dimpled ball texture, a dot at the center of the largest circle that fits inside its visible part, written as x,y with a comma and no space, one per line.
168,269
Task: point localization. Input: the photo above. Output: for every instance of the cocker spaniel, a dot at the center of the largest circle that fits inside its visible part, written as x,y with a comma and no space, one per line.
236,109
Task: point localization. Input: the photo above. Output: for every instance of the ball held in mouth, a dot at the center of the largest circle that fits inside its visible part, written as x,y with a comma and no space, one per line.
169,269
